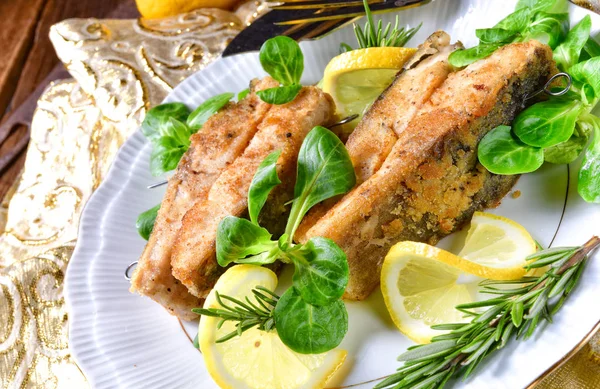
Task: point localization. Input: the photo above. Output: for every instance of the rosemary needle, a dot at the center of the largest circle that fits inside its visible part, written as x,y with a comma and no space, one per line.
374,35
246,314
512,312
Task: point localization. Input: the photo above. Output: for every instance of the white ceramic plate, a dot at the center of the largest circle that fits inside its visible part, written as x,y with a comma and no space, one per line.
121,340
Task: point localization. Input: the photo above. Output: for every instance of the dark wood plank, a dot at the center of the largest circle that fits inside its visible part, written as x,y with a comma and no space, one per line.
19,21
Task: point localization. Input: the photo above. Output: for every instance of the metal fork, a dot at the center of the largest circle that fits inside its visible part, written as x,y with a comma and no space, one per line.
308,20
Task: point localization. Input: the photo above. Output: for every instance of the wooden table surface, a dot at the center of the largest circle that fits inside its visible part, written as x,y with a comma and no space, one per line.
28,61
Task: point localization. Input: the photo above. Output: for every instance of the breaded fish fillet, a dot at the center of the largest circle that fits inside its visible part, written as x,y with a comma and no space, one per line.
283,128
373,139
431,182
220,141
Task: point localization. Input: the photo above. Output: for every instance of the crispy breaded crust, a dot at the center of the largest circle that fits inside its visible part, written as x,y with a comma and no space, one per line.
431,182
374,137
283,128
221,140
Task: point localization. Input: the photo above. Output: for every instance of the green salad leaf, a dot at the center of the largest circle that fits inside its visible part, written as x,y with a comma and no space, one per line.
309,329
265,179
548,28
588,184
568,151
460,58
324,170
590,49
170,147
241,241
568,52
205,110
279,95
547,123
517,21
282,58
501,152
588,72
495,35
541,20
169,127
157,118
321,273
554,6
556,130
145,222
243,94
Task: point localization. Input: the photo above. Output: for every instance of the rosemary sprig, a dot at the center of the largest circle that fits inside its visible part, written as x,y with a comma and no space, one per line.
374,35
247,314
516,310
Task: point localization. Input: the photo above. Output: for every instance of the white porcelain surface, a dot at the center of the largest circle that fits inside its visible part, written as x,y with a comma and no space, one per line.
121,340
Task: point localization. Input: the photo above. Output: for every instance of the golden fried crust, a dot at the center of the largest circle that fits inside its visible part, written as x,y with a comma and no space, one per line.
373,139
431,182
221,140
283,128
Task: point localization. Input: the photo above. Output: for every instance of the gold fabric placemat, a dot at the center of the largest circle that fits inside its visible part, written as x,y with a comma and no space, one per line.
121,68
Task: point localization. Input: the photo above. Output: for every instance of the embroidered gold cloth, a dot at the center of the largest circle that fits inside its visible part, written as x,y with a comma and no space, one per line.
121,68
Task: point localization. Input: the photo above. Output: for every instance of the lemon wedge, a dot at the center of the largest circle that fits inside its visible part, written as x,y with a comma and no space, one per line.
356,78
422,284
498,242
257,359
152,9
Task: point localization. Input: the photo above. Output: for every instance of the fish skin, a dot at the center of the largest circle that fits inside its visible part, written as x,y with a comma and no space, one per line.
283,128
375,135
431,182
220,141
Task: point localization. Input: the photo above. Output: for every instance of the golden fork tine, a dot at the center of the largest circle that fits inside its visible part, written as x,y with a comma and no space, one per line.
342,15
319,29
320,5
331,17
326,27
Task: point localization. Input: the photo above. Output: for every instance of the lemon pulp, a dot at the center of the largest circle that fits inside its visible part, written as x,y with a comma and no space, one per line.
257,359
356,78
422,284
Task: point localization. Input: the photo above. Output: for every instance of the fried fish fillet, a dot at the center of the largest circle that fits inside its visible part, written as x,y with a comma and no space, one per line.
221,140
283,128
431,182
373,139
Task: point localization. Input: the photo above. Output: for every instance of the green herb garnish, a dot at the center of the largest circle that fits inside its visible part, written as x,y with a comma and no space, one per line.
520,306
145,222
374,35
247,314
502,152
205,110
556,130
309,317
282,58
542,20
169,127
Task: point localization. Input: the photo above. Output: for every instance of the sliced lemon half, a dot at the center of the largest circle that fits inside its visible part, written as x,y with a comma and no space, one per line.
500,243
356,78
422,284
257,359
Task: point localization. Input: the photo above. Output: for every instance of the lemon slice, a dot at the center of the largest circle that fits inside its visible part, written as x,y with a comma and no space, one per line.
152,9
498,242
422,284
356,78
257,359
